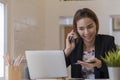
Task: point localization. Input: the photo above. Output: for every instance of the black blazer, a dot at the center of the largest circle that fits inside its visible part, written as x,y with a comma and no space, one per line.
103,43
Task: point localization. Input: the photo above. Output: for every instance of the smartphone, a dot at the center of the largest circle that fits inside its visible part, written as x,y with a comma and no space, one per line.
73,37
91,62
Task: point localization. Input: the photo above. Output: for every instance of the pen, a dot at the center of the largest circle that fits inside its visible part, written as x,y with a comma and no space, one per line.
16,61
21,58
7,59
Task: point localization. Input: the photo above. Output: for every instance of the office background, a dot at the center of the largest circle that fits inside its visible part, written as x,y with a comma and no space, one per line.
35,24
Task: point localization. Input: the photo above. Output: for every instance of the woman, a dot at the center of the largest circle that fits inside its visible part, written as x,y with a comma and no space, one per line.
84,53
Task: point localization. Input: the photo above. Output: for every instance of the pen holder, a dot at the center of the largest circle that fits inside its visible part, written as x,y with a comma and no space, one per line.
13,73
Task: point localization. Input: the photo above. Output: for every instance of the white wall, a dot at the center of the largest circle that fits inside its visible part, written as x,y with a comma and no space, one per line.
27,30
113,9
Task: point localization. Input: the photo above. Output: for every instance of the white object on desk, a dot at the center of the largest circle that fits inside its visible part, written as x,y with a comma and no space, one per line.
86,79
46,64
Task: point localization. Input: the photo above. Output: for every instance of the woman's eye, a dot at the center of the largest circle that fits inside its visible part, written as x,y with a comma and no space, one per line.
90,26
80,28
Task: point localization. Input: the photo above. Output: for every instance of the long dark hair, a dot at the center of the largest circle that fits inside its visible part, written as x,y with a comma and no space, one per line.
83,13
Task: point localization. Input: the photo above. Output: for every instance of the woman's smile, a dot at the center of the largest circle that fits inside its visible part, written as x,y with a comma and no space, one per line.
86,29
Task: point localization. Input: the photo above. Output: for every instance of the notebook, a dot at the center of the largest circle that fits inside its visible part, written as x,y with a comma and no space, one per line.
45,64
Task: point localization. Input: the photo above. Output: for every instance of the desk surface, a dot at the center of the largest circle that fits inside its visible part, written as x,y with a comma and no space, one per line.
86,79
69,79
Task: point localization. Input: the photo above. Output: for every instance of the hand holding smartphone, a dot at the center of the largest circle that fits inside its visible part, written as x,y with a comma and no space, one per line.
78,62
73,37
71,41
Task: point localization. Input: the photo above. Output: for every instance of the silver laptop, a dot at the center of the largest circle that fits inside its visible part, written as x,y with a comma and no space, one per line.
45,64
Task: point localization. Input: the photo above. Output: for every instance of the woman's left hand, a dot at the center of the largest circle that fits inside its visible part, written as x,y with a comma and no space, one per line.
91,63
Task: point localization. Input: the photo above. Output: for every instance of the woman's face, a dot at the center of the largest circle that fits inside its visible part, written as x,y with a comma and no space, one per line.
86,28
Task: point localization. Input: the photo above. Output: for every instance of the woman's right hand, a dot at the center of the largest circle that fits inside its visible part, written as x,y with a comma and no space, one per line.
70,45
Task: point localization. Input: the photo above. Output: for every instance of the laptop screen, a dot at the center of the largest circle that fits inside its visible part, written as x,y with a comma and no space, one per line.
46,64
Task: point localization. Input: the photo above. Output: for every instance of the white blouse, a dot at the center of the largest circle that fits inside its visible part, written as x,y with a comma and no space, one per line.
88,73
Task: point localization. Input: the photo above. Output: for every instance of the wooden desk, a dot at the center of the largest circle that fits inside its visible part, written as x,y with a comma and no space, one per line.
69,79
86,79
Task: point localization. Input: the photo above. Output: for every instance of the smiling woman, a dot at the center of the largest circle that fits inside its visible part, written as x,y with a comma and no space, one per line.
83,54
